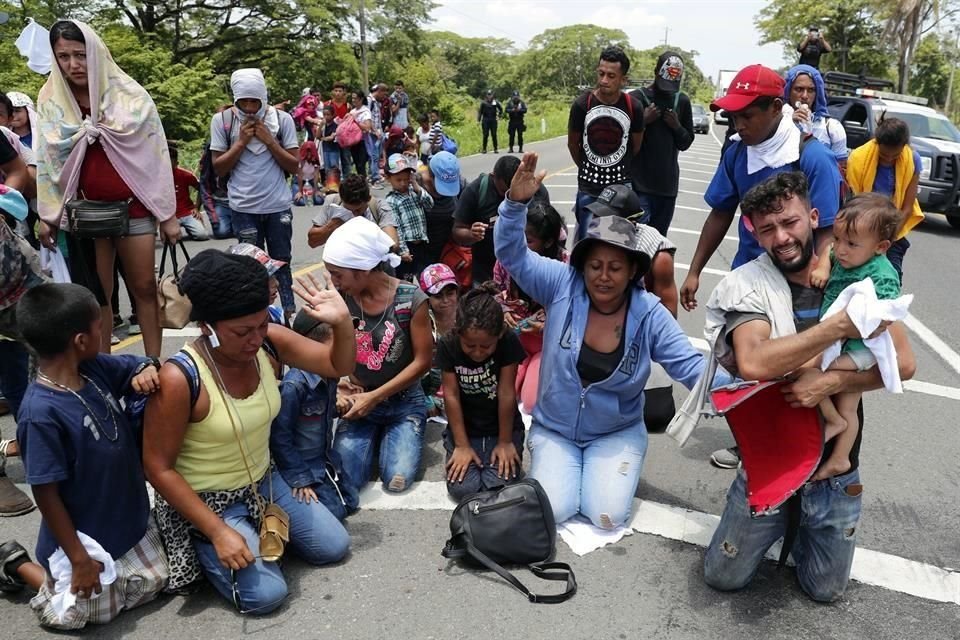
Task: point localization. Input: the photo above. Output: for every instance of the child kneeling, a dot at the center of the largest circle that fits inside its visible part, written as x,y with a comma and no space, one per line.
98,548
863,231
479,359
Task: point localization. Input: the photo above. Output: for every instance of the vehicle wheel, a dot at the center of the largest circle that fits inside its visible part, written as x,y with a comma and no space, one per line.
954,221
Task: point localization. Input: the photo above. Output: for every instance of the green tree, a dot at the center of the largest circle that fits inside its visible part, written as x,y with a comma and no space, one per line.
563,60
931,69
853,28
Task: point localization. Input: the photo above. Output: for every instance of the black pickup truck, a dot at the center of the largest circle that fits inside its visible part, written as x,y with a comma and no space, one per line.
933,136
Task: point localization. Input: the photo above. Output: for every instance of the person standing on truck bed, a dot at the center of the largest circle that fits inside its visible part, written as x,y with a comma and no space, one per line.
812,47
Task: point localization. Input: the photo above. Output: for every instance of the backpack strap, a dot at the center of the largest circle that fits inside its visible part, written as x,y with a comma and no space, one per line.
403,305
188,366
484,189
804,141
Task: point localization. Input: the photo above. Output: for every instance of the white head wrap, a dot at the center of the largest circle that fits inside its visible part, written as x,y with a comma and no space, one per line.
249,83
359,244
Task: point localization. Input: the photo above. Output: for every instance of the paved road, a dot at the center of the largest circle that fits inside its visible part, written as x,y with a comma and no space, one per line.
395,584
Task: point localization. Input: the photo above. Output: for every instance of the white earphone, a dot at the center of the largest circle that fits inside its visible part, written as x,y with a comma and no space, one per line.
214,340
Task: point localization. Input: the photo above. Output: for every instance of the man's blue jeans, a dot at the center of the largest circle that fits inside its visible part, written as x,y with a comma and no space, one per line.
396,425
658,211
822,551
14,373
597,479
272,232
373,152
477,479
224,227
316,536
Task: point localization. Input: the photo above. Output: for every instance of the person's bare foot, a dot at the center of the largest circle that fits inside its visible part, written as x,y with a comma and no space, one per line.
832,467
833,428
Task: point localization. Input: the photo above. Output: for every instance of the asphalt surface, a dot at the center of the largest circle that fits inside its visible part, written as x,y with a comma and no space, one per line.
396,584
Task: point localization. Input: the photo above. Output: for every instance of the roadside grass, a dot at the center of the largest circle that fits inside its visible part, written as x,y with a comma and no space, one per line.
543,120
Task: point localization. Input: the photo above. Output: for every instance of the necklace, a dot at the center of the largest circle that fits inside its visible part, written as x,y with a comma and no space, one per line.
615,311
94,416
216,371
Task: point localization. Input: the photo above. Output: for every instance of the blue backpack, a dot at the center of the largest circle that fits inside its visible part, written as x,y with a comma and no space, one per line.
448,144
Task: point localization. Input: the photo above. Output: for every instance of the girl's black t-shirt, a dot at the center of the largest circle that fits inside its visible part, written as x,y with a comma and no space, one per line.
478,381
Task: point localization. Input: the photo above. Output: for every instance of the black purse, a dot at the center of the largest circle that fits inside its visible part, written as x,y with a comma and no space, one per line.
511,525
98,219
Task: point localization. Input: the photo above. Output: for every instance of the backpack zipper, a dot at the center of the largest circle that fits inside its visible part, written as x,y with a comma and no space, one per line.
478,508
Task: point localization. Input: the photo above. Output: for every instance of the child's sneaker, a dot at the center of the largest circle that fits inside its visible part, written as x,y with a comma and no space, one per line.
134,329
12,555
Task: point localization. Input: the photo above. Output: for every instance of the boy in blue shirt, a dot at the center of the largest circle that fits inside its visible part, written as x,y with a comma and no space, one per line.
83,461
302,434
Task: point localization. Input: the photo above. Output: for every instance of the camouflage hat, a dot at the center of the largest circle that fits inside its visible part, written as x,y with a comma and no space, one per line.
637,239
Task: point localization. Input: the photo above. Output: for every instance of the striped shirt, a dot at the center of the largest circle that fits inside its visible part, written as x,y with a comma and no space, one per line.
409,212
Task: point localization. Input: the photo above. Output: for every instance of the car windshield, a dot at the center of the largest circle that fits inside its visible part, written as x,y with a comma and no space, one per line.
927,126
698,110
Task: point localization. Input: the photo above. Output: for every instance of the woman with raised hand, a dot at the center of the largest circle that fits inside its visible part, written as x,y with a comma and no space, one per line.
207,432
100,139
588,440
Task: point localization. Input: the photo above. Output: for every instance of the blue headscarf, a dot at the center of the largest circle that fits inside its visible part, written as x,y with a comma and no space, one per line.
820,105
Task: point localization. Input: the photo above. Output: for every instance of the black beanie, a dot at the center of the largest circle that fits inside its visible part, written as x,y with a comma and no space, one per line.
222,286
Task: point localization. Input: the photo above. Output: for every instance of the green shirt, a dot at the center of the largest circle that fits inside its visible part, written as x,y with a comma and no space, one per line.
886,282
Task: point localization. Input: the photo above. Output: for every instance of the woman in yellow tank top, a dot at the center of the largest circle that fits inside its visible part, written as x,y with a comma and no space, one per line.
208,455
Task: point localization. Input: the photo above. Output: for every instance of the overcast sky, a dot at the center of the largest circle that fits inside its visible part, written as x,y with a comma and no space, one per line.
722,32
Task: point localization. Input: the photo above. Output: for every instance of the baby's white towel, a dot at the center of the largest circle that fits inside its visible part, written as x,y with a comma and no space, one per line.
62,572
867,312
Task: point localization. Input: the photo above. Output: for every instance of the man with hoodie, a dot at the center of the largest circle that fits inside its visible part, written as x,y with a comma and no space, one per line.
668,126
256,144
805,103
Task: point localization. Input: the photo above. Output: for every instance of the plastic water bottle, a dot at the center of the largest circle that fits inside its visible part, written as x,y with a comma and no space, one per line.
804,124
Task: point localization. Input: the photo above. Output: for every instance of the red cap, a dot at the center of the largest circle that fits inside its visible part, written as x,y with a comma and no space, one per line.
752,82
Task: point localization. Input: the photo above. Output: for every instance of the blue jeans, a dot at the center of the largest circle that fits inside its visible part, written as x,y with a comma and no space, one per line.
396,425
224,228
373,152
315,535
193,228
822,551
478,479
331,160
658,211
597,479
14,372
580,211
275,230
895,255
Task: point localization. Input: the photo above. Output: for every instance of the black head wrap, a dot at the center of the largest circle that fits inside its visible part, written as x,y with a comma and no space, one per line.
222,286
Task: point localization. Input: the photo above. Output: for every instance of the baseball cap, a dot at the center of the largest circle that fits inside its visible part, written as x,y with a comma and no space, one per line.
398,162
13,203
515,94
258,254
640,240
446,173
435,277
616,200
755,81
669,72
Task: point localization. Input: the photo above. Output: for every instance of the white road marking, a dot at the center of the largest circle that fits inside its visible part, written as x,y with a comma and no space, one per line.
683,163
695,180
709,173
697,233
933,341
694,527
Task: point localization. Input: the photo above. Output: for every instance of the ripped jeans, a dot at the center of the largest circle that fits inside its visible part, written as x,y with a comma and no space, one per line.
822,551
597,479
272,232
396,426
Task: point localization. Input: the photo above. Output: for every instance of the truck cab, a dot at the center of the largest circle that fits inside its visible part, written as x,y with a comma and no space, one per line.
932,136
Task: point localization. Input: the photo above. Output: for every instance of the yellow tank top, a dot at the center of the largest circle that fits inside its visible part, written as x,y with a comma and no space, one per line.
210,458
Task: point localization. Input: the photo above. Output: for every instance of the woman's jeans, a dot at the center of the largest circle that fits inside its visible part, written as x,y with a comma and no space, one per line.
822,551
316,536
396,426
597,478
477,479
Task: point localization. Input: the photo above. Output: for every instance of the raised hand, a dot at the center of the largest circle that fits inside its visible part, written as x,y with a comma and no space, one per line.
323,304
527,180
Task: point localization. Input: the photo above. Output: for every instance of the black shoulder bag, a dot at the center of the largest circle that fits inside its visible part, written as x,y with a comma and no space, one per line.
98,219
512,525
